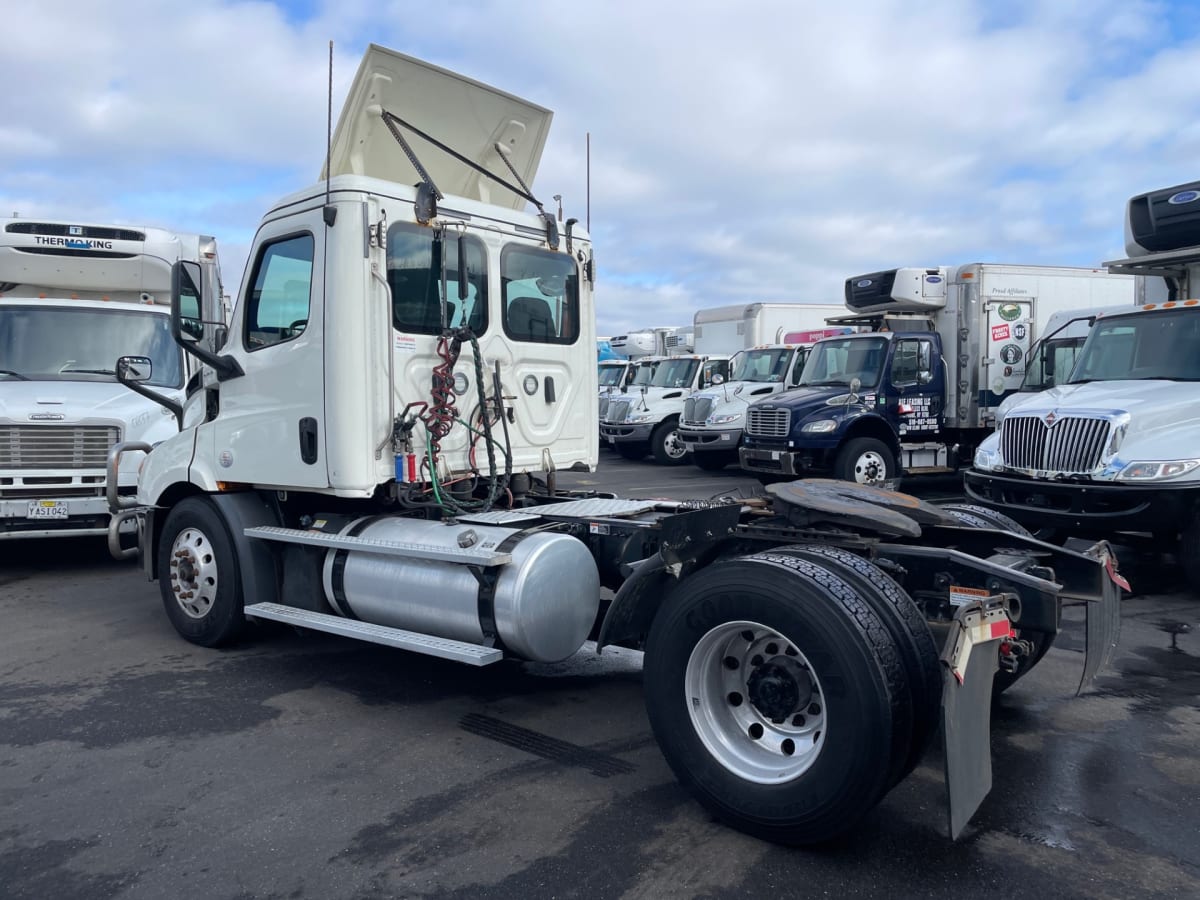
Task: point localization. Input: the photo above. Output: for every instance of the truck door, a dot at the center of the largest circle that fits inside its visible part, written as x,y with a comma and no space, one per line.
271,430
916,388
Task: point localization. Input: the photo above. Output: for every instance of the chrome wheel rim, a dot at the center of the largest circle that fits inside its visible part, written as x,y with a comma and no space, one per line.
674,445
870,468
193,576
755,702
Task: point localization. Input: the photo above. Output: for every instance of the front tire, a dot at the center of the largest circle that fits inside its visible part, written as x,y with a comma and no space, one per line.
713,461
198,574
866,461
771,688
666,445
1188,553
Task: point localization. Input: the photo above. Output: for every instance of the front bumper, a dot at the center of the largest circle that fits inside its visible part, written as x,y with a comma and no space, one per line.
704,440
1101,508
65,517
626,434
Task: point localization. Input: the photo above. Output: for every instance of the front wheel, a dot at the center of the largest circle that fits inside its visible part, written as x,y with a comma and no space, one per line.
198,574
1188,553
770,686
714,460
666,445
866,461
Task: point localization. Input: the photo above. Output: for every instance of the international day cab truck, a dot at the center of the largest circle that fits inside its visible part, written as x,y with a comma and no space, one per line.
74,297
373,449
920,390
1115,445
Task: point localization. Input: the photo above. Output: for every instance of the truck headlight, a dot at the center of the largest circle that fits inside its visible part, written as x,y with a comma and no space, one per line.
722,420
1157,471
987,459
820,426
639,419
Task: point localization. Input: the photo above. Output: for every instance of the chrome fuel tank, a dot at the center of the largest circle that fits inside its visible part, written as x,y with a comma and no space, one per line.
543,602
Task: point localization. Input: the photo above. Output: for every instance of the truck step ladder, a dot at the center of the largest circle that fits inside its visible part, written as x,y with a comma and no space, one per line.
478,556
472,654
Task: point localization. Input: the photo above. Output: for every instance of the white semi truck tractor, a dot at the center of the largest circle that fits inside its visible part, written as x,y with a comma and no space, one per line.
375,456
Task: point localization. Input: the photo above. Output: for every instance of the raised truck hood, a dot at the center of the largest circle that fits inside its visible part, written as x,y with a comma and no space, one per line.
464,114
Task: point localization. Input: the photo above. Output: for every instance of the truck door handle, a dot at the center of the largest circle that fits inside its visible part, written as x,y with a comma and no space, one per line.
549,389
308,439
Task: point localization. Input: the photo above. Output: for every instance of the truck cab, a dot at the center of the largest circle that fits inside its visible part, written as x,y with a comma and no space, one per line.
1113,447
73,298
646,419
857,396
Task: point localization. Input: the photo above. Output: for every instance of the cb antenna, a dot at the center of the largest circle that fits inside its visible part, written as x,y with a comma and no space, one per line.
329,213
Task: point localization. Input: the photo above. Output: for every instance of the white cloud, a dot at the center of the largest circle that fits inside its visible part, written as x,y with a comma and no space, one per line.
740,152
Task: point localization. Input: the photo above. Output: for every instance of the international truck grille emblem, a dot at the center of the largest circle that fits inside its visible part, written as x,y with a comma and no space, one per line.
1183,197
865,283
46,417
1050,418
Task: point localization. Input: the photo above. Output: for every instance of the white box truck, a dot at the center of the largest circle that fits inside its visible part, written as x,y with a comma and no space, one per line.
1114,447
920,391
73,298
792,669
727,329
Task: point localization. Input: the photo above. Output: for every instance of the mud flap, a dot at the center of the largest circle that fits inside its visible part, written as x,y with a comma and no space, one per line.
971,657
1103,616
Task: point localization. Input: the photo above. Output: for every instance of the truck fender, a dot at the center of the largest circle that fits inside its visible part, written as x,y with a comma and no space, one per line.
637,601
249,509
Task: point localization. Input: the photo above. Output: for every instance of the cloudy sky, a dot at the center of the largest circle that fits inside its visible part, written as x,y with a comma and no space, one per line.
739,151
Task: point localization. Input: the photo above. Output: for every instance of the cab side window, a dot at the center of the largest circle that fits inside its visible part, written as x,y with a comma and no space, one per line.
912,363
541,295
280,292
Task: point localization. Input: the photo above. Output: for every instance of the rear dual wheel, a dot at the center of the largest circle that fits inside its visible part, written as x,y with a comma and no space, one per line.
781,696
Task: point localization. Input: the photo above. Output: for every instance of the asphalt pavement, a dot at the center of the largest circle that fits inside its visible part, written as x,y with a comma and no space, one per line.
136,765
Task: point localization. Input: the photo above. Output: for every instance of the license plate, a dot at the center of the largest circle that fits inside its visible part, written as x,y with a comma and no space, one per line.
47,509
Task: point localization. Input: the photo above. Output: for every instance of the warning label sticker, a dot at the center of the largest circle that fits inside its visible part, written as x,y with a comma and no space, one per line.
961,596
1000,332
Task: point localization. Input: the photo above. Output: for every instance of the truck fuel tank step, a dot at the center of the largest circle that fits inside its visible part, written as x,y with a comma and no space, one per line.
471,654
476,556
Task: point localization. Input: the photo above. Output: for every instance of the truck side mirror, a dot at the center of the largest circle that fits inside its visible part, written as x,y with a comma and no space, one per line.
187,307
718,378
134,369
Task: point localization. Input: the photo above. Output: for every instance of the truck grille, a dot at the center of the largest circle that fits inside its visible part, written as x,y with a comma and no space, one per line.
56,446
768,422
618,411
695,411
603,406
1069,445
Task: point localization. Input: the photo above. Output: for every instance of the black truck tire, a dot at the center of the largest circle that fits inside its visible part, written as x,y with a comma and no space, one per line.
866,460
974,516
198,574
740,663
714,460
968,513
631,450
908,629
1188,552
666,445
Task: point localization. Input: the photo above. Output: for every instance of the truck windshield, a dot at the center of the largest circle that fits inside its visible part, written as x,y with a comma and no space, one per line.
55,343
675,373
1155,345
838,362
1052,361
644,374
762,365
610,376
